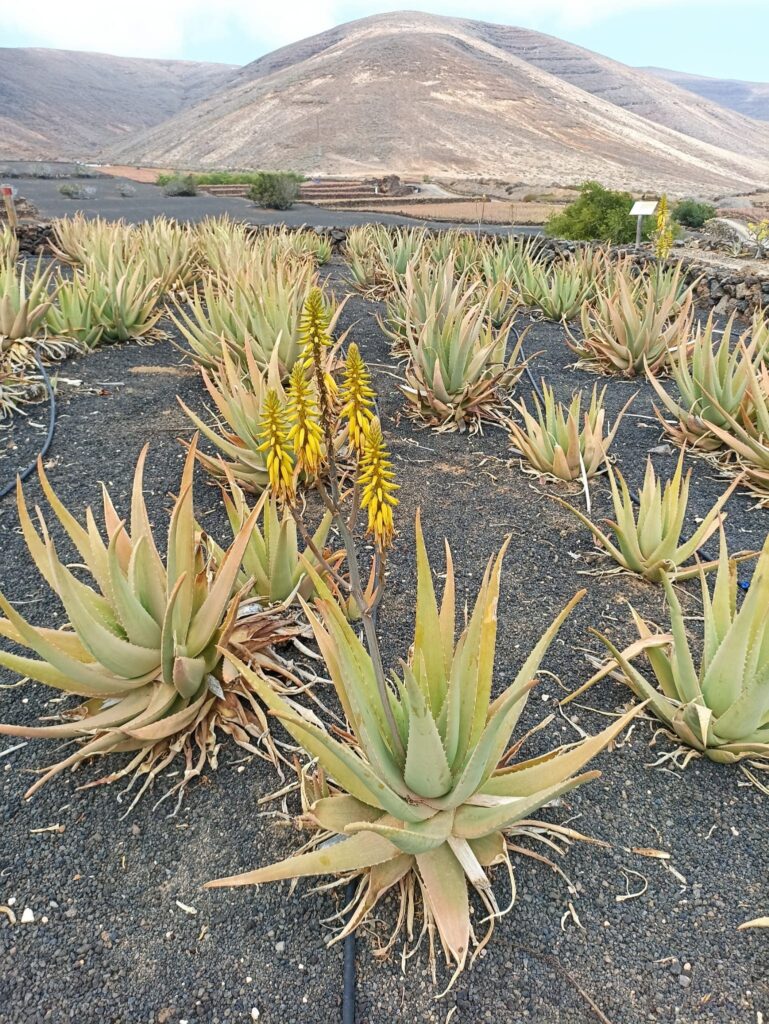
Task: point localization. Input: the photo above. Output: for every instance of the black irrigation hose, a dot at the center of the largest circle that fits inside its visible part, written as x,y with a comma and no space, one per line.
348,988
526,367
49,436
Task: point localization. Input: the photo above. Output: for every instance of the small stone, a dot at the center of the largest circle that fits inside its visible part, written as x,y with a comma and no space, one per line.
27,916
254,1013
280,947
684,980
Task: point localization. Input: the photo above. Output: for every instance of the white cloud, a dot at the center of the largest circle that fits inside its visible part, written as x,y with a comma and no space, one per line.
167,28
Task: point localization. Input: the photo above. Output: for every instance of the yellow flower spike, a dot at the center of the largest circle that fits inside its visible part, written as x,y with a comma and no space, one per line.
663,236
275,441
357,398
314,329
306,434
377,480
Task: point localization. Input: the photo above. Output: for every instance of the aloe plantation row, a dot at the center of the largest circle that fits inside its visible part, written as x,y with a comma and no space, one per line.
407,773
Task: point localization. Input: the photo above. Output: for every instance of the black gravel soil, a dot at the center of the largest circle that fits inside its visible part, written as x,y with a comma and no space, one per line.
148,201
110,943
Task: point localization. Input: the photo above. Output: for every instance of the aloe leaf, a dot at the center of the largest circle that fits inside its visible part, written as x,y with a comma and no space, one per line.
414,838
473,821
361,851
530,777
445,889
426,772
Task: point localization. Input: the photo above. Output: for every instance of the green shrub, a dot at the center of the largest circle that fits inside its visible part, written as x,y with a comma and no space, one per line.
71,190
598,215
276,190
181,185
692,214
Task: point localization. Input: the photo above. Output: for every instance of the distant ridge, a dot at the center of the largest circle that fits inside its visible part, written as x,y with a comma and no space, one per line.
422,94
68,104
748,98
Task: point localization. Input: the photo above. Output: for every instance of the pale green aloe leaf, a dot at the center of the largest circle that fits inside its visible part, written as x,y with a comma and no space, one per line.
426,772
361,851
349,770
530,777
409,838
428,628
335,813
473,821
445,888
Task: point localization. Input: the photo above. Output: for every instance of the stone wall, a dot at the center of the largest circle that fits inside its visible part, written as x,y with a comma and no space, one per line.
724,289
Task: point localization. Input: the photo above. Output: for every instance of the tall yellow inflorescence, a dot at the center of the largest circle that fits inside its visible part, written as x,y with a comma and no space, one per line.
377,480
305,433
357,398
275,442
663,236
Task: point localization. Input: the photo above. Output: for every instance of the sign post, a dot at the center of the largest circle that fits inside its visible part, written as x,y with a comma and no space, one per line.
8,192
642,208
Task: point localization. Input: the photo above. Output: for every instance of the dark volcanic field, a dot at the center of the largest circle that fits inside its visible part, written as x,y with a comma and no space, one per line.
109,944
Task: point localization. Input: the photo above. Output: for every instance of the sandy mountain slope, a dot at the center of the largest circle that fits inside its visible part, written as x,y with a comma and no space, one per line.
748,98
63,103
418,94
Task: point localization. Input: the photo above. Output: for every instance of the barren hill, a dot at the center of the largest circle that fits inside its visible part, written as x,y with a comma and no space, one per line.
419,93
63,103
748,98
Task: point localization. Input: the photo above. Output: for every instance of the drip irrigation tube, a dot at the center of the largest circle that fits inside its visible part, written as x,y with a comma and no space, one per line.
348,986
49,435
526,367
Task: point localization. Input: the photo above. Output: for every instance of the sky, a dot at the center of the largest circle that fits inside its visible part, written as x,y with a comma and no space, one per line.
721,38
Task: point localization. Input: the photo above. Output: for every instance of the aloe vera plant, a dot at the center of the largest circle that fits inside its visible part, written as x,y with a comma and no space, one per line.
74,313
274,569
630,331
426,294
125,297
720,708
236,430
559,290
560,441
378,256
169,251
9,245
24,301
649,542
713,380
79,240
430,806
747,437
458,368
259,310
143,647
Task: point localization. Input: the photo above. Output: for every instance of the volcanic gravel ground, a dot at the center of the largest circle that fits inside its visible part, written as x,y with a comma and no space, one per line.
109,942
149,201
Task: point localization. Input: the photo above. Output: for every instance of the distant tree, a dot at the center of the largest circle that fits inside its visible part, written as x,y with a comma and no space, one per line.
277,190
598,215
181,185
693,214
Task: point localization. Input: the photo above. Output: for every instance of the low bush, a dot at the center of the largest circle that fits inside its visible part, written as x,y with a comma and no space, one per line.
598,215
277,190
74,191
181,185
692,214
